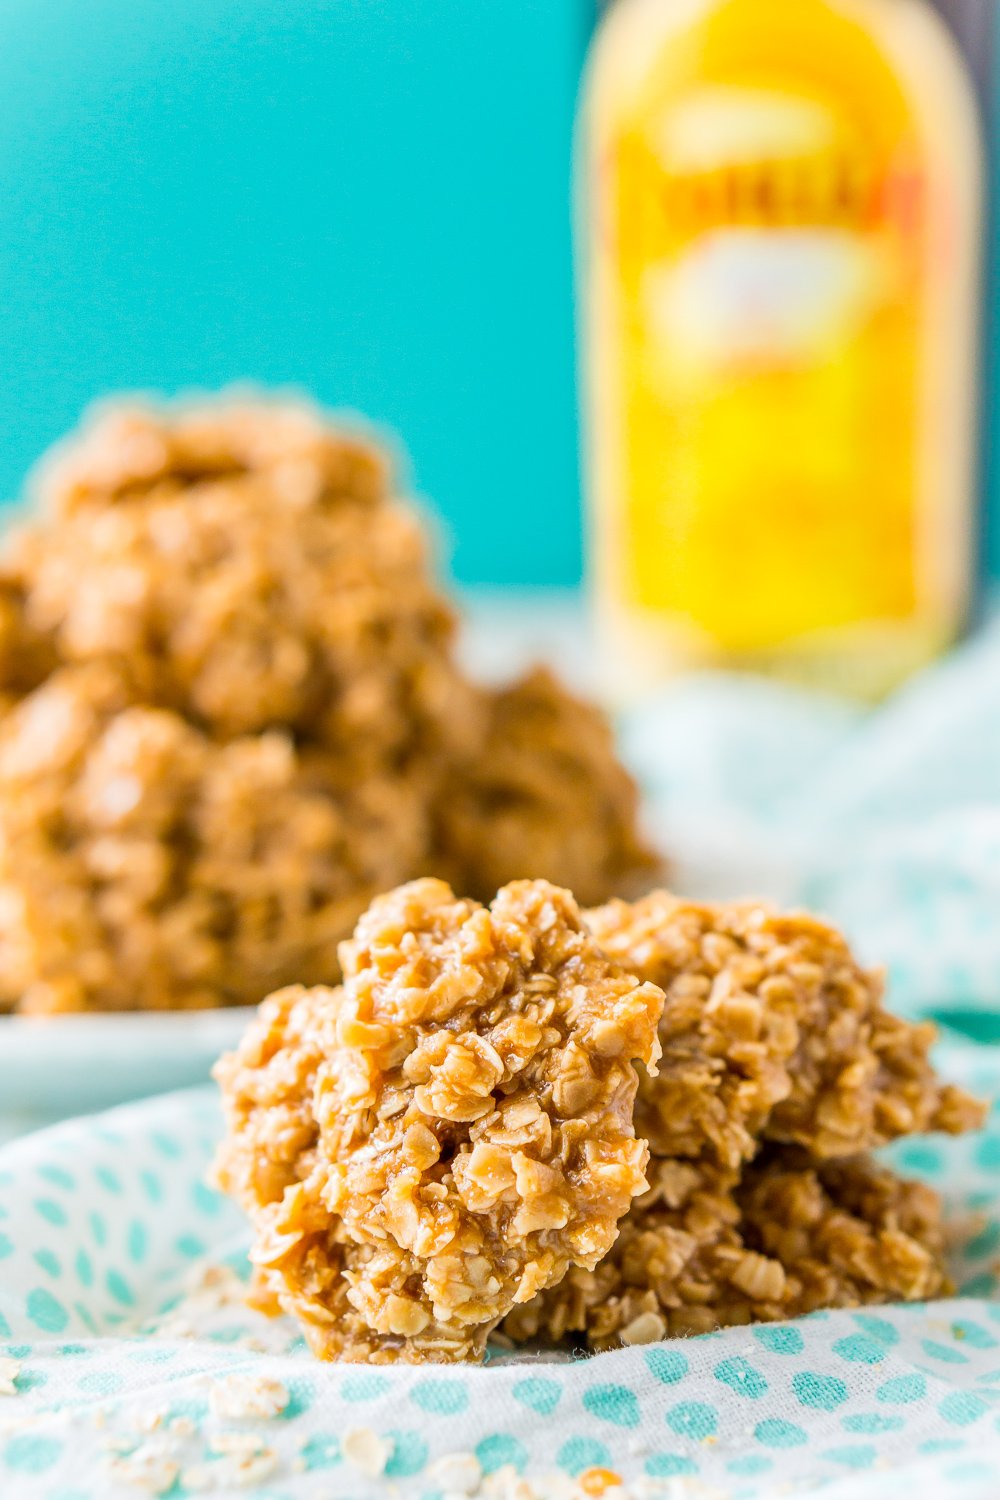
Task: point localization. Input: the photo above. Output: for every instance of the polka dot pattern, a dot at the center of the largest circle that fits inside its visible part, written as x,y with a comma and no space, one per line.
118,1219
693,1419
669,1465
613,1403
775,1432
542,1396
582,1453
821,1392
781,1340
443,1398
409,1454
30,1454
741,1377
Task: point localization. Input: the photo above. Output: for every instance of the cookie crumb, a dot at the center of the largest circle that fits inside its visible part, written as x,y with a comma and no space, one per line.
150,1467
242,1398
366,1450
456,1474
149,1421
243,1459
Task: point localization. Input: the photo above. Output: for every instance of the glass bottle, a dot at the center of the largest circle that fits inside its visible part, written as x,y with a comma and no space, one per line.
780,230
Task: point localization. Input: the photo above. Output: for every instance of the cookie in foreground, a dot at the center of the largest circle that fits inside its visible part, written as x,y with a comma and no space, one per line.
700,1251
446,1140
446,1134
773,1031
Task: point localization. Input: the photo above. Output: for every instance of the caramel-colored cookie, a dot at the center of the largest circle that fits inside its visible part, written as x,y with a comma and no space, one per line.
699,1252
545,796
288,723
250,566
124,451
771,1029
27,656
472,1085
270,1163
143,865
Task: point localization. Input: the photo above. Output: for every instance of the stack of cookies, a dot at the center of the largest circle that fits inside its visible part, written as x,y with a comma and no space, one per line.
598,1127
231,713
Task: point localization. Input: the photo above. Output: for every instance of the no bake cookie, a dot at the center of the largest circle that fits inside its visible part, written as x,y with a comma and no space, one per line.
144,865
543,795
771,1028
699,1252
467,1121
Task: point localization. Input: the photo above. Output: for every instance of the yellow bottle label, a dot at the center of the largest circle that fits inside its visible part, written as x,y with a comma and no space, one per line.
769,261
772,244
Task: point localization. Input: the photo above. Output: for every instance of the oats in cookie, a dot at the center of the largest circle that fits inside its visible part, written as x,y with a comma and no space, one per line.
288,731
771,1029
544,796
252,565
446,1134
700,1251
146,866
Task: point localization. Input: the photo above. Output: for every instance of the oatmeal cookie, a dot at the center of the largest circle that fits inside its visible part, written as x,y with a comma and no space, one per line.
271,1164
847,1232
305,1266
124,451
544,797
143,865
663,1269
251,567
699,1252
460,1111
771,1029
265,603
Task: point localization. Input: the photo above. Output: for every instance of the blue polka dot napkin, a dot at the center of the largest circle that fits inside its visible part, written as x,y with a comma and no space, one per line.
130,1364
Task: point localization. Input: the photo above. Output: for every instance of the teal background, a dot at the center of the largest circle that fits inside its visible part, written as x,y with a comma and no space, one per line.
367,198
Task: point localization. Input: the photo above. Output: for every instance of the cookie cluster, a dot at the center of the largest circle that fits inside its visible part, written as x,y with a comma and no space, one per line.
781,1071
231,713
454,1140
